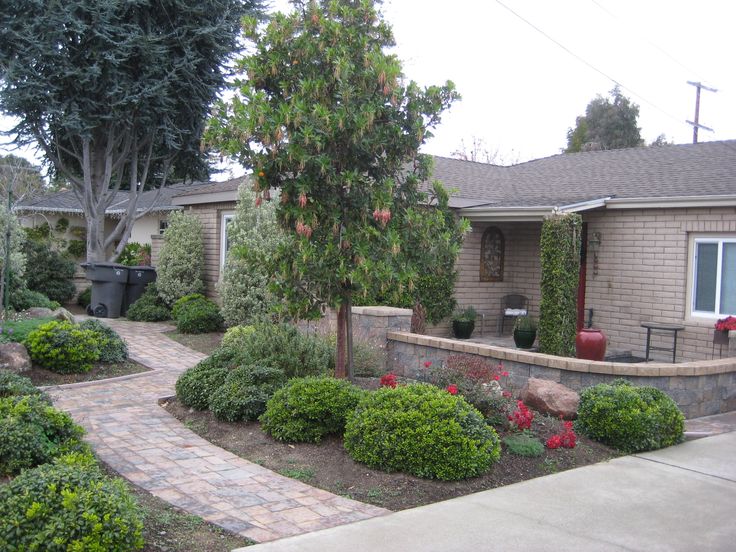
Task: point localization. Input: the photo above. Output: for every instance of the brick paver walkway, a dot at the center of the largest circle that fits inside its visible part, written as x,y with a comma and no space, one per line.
148,446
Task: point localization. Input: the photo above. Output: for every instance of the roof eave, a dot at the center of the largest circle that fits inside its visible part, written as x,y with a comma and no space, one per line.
196,199
671,202
507,214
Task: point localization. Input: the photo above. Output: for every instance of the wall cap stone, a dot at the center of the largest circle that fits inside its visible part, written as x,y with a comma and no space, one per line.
382,311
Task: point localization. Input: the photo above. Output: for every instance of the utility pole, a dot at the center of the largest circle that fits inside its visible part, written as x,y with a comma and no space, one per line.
696,124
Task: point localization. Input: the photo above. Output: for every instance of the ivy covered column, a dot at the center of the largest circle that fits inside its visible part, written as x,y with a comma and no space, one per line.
560,259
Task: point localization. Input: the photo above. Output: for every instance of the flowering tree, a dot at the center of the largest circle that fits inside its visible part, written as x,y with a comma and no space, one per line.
325,116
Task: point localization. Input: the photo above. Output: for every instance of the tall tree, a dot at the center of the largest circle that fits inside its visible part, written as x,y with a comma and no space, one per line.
326,117
114,92
608,123
19,176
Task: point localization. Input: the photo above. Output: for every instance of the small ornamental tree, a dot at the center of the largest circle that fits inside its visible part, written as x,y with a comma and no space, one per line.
326,117
560,259
181,261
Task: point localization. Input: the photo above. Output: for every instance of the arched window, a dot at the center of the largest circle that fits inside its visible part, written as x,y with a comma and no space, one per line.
492,251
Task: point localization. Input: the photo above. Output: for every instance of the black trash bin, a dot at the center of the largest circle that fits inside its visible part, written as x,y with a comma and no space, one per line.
138,278
108,288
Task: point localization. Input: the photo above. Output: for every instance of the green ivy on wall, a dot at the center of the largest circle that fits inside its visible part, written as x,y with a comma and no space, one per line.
560,259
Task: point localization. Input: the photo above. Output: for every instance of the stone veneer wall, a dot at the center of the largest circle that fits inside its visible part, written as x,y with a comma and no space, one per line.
699,388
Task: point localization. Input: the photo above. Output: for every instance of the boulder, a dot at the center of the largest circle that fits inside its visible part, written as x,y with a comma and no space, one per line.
550,398
62,314
14,357
38,312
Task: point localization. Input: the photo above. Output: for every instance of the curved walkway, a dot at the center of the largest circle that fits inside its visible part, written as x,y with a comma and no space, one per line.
145,444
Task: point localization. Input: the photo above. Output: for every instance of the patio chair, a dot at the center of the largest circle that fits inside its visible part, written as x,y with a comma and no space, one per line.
512,306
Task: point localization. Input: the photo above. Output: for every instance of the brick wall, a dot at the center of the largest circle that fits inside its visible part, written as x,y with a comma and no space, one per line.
643,276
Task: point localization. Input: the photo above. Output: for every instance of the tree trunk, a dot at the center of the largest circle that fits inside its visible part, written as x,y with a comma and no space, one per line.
349,335
340,371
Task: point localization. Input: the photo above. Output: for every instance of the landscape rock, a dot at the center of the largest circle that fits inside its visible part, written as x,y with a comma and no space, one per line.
14,357
550,398
38,312
62,314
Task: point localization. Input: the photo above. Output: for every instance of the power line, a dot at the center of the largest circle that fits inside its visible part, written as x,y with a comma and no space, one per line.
590,65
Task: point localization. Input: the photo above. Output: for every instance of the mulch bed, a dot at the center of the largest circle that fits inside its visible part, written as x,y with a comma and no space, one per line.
328,466
41,376
204,343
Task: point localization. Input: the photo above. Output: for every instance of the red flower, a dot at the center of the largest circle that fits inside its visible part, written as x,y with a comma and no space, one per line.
505,374
452,389
382,216
554,442
496,377
302,200
506,393
259,200
522,417
726,324
388,380
427,363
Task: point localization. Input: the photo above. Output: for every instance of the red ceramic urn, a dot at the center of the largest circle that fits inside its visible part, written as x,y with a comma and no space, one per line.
590,344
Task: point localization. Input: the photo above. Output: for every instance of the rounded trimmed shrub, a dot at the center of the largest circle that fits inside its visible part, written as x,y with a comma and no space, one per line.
524,444
63,347
181,260
199,315
25,298
112,347
33,432
236,336
629,418
284,346
11,385
309,408
176,308
245,392
149,307
68,505
421,430
195,386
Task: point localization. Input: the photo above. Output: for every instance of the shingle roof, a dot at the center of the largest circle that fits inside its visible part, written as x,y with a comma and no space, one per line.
214,187
705,169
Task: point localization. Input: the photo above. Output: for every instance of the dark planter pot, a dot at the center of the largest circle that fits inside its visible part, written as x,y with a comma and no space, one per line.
524,339
463,329
720,337
590,344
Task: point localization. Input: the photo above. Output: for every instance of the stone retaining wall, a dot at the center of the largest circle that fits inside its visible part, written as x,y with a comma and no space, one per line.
699,388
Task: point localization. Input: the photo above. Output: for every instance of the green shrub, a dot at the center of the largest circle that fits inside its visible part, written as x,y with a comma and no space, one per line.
236,336
199,316
52,274
135,254
112,347
68,505
63,347
11,384
421,430
195,387
245,392
85,297
309,408
283,346
76,249
524,444
181,261
18,330
24,298
179,303
34,432
149,307
629,418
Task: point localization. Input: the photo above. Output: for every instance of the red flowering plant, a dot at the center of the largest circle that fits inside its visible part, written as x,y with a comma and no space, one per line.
521,418
388,380
726,324
481,382
565,439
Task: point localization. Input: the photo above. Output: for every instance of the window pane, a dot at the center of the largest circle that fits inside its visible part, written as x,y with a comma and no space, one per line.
728,279
705,277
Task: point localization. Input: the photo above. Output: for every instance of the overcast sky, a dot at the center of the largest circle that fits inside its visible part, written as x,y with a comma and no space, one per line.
522,91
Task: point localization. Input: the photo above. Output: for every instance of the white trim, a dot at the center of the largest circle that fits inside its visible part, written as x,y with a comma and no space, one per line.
585,205
670,202
719,240
502,214
204,197
225,216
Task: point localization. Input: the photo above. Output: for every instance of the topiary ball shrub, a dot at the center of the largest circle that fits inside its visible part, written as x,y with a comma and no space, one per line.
629,418
34,432
176,308
149,307
524,444
68,505
236,336
199,316
63,347
12,385
421,430
112,346
309,408
245,392
284,346
195,386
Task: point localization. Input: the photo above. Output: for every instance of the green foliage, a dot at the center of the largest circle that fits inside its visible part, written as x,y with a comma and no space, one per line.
18,330
466,314
135,254
631,419
181,261
68,505
524,444
15,253
179,303
85,297
308,409
112,347
607,124
423,431
34,432
12,384
195,386
368,359
254,236
560,260
76,249
525,323
52,274
63,347
245,392
25,178
283,346
236,336
61,225
24,298
149,307
198,316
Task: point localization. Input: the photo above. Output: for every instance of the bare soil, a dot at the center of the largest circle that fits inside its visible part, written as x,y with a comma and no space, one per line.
41,376
328,466
204,343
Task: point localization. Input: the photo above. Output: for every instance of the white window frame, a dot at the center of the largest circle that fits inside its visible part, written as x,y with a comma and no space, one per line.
225,217
719,241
